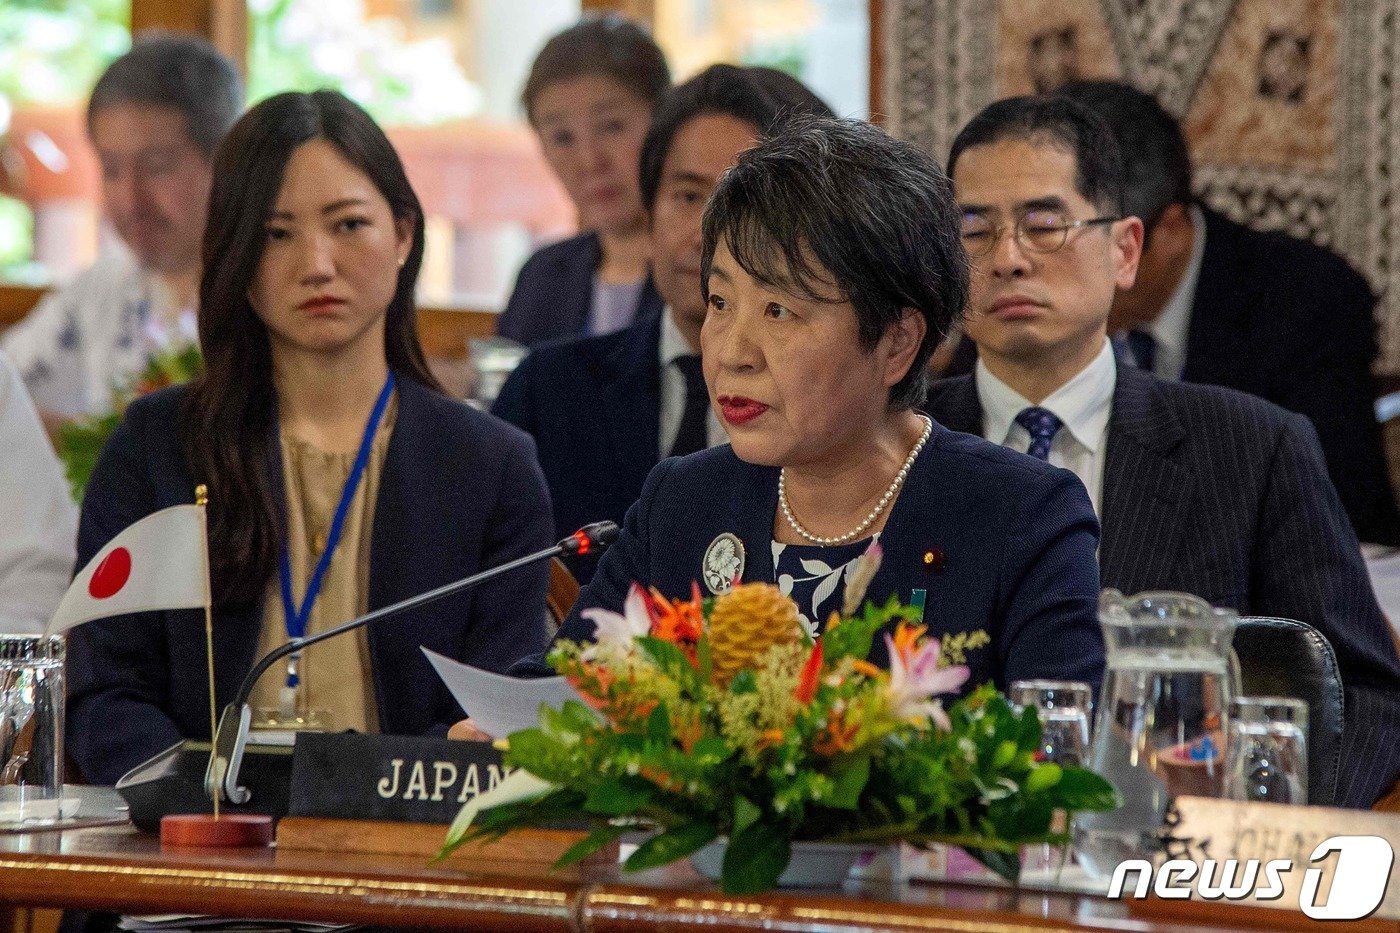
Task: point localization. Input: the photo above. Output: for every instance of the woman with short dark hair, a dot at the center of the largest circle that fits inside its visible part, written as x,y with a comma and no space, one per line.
832,265
589,97
340,478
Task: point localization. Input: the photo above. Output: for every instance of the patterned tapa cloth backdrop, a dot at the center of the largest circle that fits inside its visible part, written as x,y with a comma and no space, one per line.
1291,106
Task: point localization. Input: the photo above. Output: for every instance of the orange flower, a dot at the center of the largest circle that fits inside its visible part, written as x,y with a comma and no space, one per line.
679,622
866,668
770,738
807,682
838,736
906,639
690,732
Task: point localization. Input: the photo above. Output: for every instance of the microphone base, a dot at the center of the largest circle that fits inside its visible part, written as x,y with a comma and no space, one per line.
172,782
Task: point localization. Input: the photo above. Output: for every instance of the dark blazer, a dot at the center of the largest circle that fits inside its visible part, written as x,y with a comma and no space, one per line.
1291,322
1011,543
1213,492
459,492
554,293
593,406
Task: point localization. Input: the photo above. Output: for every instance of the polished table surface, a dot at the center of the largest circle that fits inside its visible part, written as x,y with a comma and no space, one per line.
118,869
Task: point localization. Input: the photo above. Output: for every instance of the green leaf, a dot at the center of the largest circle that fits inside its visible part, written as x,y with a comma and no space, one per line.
744,814
1082,789
744,682
676,842
755,859
620,797
712,749
1006,864
670,659
659,724
591,843
849,780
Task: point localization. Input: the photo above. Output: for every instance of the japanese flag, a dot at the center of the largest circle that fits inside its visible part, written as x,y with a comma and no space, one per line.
161,562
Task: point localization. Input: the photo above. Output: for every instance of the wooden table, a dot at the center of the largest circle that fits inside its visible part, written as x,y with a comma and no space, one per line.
121,870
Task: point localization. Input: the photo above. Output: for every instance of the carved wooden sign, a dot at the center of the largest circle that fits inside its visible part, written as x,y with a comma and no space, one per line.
1318,862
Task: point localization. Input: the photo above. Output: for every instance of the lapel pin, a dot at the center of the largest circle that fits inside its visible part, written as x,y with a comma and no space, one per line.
723,564
933,558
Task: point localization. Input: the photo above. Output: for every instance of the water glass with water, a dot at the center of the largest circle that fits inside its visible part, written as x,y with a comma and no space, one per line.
31,728
1267,760
1064,708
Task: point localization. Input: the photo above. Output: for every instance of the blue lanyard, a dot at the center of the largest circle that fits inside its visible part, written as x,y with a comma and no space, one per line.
297,618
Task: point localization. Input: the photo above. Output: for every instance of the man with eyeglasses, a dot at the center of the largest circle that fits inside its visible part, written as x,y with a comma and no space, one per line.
1198,488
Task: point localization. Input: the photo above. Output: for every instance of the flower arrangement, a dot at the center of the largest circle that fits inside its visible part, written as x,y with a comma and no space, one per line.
81,441
710,718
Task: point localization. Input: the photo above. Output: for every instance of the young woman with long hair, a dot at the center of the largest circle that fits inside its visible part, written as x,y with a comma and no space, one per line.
340,477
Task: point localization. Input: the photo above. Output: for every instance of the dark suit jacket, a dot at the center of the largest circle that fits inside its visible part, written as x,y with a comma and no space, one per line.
459,492
1291,322
1016,536
1213,492
593,406
554,293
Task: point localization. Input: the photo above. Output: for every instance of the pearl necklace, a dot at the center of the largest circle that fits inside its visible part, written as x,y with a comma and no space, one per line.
874,513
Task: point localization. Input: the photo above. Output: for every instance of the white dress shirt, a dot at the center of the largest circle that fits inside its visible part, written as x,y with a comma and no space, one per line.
94,333
37,514
1173,325
1083,404
674,344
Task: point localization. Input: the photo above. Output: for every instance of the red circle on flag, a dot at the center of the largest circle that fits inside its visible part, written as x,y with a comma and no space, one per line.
111,575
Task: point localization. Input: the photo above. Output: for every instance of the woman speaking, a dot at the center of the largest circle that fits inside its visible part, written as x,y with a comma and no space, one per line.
832,266
340,478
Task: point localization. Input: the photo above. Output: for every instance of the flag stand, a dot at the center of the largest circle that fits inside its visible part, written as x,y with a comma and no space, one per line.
205,830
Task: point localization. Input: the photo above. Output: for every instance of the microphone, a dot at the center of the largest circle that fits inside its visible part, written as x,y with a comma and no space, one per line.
230,741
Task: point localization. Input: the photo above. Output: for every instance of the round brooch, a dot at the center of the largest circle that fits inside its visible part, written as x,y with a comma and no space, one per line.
723,563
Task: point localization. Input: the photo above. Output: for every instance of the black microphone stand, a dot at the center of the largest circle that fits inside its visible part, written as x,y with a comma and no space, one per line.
226,757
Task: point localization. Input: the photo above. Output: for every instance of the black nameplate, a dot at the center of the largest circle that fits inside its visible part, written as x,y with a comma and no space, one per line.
409,779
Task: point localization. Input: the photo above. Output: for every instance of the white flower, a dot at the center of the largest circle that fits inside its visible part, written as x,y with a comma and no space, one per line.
915,677
621,629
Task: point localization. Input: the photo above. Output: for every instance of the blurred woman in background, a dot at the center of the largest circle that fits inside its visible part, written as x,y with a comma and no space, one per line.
590,97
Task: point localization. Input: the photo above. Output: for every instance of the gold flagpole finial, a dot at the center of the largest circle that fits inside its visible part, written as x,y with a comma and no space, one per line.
201,494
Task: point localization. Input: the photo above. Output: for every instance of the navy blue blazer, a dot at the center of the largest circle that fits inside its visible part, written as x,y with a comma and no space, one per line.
593,406
459,492
554,293
1016,539
1217,493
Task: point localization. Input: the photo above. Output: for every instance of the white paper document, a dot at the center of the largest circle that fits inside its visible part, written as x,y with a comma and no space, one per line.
499,705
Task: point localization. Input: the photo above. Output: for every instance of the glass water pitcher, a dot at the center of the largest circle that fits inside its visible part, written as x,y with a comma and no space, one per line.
1161,726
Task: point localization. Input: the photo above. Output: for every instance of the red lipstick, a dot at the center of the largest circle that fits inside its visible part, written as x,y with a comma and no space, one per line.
737,409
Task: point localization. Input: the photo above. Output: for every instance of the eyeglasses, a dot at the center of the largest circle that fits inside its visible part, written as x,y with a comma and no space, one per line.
1037,231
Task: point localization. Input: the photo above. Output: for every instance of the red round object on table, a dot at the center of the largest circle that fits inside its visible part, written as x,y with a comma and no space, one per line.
201,830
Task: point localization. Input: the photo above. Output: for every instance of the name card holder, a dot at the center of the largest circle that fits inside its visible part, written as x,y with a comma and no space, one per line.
1307,864
396,795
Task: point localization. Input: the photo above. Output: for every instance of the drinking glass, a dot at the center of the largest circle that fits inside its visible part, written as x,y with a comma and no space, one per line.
1267,756
1064,708
31,728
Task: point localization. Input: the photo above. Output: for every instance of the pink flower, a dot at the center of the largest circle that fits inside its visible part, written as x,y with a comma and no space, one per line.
620,629
915,678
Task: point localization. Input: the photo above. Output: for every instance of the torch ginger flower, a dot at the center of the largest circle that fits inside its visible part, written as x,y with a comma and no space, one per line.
915,676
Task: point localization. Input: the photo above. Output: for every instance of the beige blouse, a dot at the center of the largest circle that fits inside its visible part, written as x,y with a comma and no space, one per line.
335,675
